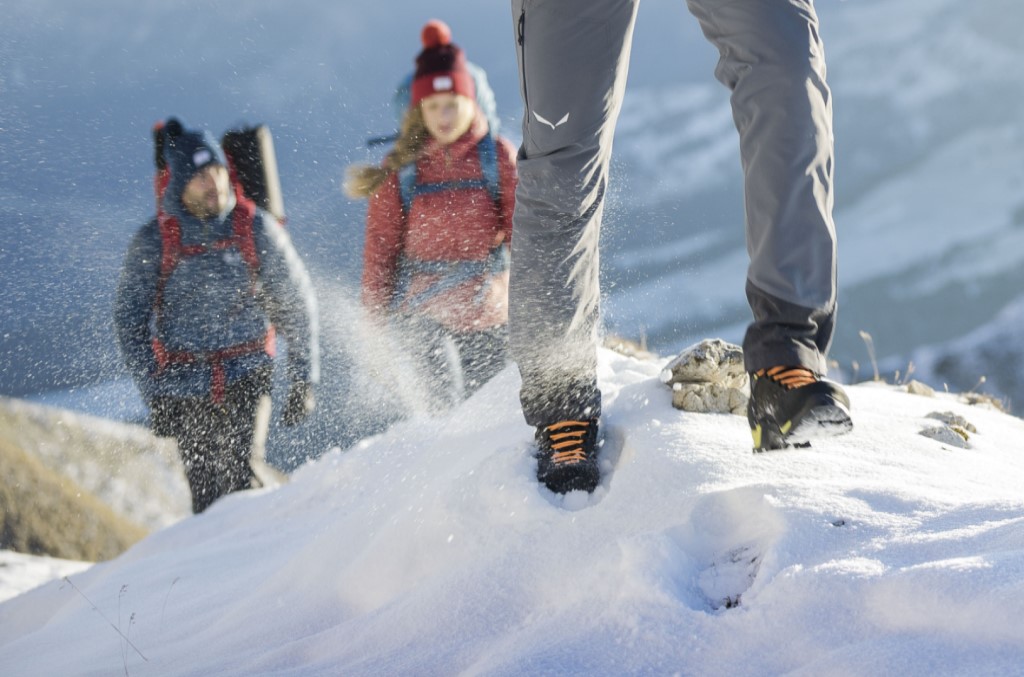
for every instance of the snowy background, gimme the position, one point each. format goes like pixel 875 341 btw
pixel 432 550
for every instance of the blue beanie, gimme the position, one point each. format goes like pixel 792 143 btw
pixel 187 151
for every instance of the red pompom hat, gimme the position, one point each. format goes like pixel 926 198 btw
pixel 441 66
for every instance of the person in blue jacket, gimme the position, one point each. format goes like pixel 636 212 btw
pixel 205 288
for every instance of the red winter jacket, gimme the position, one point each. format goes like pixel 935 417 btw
pixel 446 226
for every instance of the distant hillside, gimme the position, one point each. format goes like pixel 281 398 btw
pixel 988 359
pixel 80 487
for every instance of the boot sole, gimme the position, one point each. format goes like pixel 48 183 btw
pixel 572 478
pixel 819 422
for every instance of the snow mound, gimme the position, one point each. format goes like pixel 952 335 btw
pixel 431 549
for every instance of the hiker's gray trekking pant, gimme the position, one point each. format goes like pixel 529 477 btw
pixel 573 60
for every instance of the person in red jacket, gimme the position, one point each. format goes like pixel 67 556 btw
pixel 439 220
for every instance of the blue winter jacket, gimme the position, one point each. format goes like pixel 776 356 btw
pixel 210 303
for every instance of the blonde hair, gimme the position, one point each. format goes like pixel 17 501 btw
pixel 362 181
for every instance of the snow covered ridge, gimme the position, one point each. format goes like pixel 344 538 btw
pixel 431 549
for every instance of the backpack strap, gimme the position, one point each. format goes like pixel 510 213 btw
pixel 160 180
pixel 407 185
pixel 487 150
pixel 172 252
pixel 215 359
pixel 490 179
pixel 170 255
pixel 242 236
pixel 242 225
pixel 452 274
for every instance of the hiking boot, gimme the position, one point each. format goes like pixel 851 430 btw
pixel 791 405
pixel 567 456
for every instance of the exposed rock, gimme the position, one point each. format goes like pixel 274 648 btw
pixel 953 420
pixel 918 388
pixel 709 398
pixel 137 475
pixel 710 361
pixel 77 487
pixel 952 435
pixel 43 513
pixel 983 400
pixel 708 377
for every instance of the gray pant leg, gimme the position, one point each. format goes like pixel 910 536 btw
pixel 573 60
pixel 773 61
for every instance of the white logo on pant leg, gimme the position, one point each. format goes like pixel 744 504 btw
pixel 552 125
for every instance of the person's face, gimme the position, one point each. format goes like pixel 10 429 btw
pixel 208 192
pixel 447 116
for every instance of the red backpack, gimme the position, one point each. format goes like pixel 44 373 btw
pixel 172 253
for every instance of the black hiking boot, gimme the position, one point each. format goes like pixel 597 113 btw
pixel 791 406
pixel 567 456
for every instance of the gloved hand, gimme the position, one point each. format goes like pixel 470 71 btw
pixel 300 403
